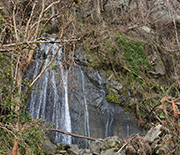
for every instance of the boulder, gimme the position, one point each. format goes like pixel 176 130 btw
pixel 63 152
pixel 72 149
pixel 161 12
pixel 49 147
pixel 153 134
pixel 111 142
pixel 96 147
pixel 112 151
pixel 49 135
pixel 146 29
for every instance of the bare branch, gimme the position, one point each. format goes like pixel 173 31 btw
pixel 51 5
pixel 27 25
pixel 22 19
pixel 74 135
pixel 40 16
pixel 14 22
pixel 122 147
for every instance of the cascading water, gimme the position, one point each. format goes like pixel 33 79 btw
pixel 67 119
pixel 86 112
pixel 89 113
pixel 49 100
pixel 106 111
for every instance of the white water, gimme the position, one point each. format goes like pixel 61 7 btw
pixel 67 119
pixel 55 108
pixel 86 113
pixel 107 112
pixel 50 101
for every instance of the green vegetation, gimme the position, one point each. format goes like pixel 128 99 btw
pixel 16 125
pixel 134 54
pixel 118 53
pixel 59 147
pixel 127 60
pixel 112 97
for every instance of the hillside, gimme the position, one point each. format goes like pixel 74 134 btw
pixel 135 43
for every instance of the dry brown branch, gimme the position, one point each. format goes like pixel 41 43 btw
pixel 15 146
pixel 157 118
pixel 122 147
pixel 14 22
pixel 175 27
pixel 164 108
pixel 24 12
pixel 9 131
pixel 27 25
pixel 52 5
pixel 39 20
pixel 75 135
pixel 51 19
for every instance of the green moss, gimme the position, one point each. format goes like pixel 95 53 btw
pixel 112 97
pixel 107 86
pixel 127 60
pixel 109 73
pixel 59 147
pixel 134 54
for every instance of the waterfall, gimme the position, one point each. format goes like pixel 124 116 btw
pixel 108 124
pixel 89 113
pixel 86 113
pixel 106 111
pixel 49 99
pixel 67 119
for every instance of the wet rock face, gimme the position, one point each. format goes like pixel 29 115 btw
pixel 75 101
pixel 92 115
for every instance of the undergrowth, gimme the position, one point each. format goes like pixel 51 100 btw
pixel 127 59
pixel 16 125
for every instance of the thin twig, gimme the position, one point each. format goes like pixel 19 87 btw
pixel 52 5
pixel 27 25
pixel 14 22
pixel 40 16
pixel 122 147
pixel 37 41
pixel 9 131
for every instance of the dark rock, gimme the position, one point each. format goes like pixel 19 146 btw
pixel 90 113
pixel 49 135
pixel 49 147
